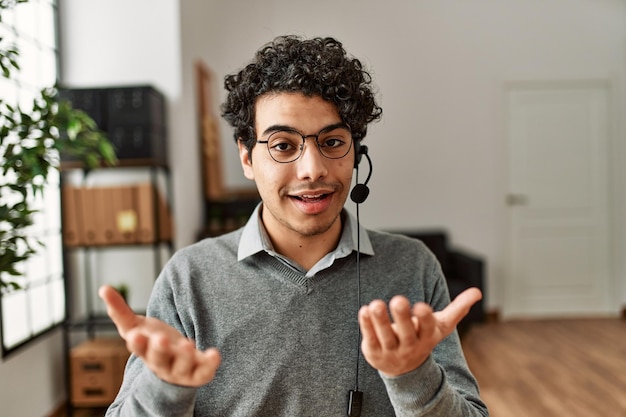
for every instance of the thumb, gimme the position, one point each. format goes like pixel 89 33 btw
pixel 122 315
pixel 460 306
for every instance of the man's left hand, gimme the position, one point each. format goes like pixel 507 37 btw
pixel 402 345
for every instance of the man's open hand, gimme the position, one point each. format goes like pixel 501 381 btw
pixel 170 355
pixel 402 345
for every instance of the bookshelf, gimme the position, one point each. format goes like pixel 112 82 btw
pixel 117 229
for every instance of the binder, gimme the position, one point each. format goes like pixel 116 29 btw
pixel 99 214
pixel 154 216
pixel 166 224
pixel 146 211
pixel 87 208
pixel 108 216
pixel 116 206
pixel 72 234
pixel 126 214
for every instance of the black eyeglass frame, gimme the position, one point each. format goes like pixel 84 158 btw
pixel 282 129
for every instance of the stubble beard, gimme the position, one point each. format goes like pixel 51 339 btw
pixel 315 229
pixel 314 225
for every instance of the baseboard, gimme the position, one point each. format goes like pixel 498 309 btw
pixel 492 316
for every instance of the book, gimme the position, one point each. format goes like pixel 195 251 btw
pixel 72 221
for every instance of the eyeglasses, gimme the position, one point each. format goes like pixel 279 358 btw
pixel 286 145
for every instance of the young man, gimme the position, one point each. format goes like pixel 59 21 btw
pixel 265 321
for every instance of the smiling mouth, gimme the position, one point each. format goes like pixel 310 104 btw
pixel 310 198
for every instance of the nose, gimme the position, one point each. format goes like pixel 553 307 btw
pixel 312 164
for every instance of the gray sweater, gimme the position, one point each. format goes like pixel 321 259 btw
pixel 289 343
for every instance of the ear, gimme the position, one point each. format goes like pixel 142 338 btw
pixel 246 160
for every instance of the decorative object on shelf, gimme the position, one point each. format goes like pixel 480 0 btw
pixel 30 143
pixel 123 290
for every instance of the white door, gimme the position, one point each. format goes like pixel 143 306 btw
pixel 559 262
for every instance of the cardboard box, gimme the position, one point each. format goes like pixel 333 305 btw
pixel 97 368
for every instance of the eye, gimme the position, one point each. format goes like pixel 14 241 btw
pixel 332 142
pixel 284 142
pixel 282 146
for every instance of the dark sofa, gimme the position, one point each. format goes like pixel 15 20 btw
pixel 461 269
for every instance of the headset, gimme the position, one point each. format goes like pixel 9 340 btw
pixel 360 192
pixel 358 195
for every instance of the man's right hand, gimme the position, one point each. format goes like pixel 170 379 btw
pixel 170 355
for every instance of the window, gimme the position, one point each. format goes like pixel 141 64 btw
pixel 39 305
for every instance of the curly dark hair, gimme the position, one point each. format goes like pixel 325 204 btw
pixel 314 67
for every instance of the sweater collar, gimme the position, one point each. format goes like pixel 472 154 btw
pixel 254 238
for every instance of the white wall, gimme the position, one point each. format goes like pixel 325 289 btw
pixel 117 42
pixel 439 153
pixel 32 379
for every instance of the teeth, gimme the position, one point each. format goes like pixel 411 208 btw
pixel 312 196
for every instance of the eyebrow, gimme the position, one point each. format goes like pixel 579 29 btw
pixel 286 128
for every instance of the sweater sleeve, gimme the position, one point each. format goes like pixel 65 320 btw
pixel 149 396
pixel 443 386
pixel 142 392
pixel 427 391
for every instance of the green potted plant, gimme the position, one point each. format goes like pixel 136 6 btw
pixel 31 142
pixel 123 290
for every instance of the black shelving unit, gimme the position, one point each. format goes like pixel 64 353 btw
pixel 134 118
pixel 91 322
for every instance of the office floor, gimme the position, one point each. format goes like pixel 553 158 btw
pixel 550 368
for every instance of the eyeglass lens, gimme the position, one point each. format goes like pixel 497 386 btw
pixel 287 145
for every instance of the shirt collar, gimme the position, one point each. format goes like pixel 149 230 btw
pixel 254 238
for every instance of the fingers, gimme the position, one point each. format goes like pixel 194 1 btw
pixel 160 354
pixel 391 347
pixel 426 320
pixel 137 343
pixel 121 314
pixel 378 328
pixel 184 363
pixel 459 307
pixel 369 339
pixel 164 350
pixel 176 361
pixel 404 322
pixel 192 365
pixel 470 296
pixel 405 325
pixel 373 319
pixel 207 364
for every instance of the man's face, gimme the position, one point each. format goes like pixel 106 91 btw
pixel 305 197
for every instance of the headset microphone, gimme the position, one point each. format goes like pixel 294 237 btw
pixel 360 192
pixel 358 195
